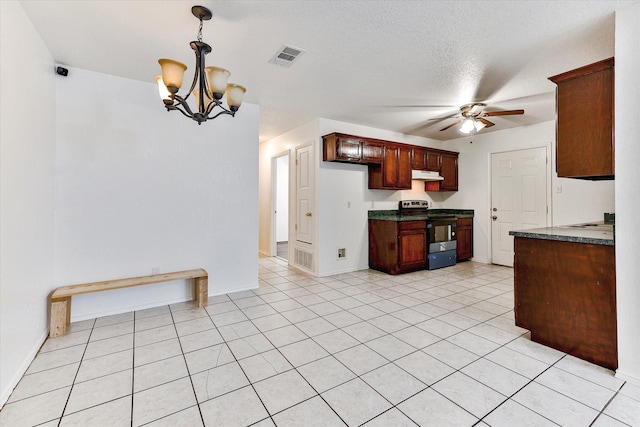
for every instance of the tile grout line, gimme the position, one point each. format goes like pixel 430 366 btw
pixel 76 375
pixel 293 368
pixel 184 358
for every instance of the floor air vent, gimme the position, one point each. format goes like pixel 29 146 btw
pixel 304 259
pixel 286 55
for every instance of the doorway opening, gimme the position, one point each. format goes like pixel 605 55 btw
pixel 280 204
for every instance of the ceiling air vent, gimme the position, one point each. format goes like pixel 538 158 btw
pixel 286 55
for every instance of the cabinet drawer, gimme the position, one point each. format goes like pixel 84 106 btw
pixel 412 225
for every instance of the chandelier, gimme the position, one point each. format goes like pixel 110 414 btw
pixel 209 83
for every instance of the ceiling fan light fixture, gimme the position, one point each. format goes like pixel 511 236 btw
pixel 467 126
pixel 479 125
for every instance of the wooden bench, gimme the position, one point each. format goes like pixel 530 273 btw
pixel 61 297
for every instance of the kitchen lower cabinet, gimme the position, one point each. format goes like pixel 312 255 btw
pixel 464 235
pixel 397 246
pixel 565 294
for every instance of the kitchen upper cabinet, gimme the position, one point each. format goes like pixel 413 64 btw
pixel 390 163
pixel 372 151
pixel 449 171
pixel 419 159
pixel 397 246
pixel 585 117
pixel 342 148
pixel 425 159
pixel 395 171
pixel 464 236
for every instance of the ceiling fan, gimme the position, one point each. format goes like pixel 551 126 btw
pixel 473 117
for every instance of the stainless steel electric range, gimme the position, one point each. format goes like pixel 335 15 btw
pixel 441 232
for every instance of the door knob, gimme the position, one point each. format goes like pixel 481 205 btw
pixel 308 214
pixel 494 217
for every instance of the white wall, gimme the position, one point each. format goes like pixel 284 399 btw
pixel 27 198
pixel 627 129
pixel 141 188
pixel 580 200
pixel 282 202
pixel 287 142
pixel 344 200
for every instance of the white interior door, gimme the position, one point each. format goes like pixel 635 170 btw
pixel 518 198
pixel 304 194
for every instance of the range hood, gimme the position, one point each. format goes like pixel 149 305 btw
pixel 426 175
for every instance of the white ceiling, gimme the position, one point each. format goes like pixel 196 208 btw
pixel 390 64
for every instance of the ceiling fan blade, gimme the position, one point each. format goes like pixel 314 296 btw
pixel 503 113
pixel 446 117
pixel 486 122
pixel 451 125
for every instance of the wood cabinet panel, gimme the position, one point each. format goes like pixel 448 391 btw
pixel 464 234
pixel 396 247
pixel 395 171
pixel 419 159
pixel 412 251
pixel 449 171
pixel 340 148
pixel 372 152
pixel 434 160
pixel 426 159
pixel 565 294
pixel 585 121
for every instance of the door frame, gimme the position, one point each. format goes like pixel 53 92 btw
pixel 273 247
pixel 550 159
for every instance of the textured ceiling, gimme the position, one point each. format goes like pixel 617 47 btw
pixel 392 64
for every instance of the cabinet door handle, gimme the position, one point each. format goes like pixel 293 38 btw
pixel 308 214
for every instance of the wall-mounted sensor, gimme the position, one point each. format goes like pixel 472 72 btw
pixel 62 71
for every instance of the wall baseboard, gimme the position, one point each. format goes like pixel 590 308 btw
pixel 629 378
pixel 6 393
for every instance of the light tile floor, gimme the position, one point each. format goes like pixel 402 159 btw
pixel 432 348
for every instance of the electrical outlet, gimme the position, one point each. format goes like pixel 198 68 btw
pixel 558 188
pixel 342 253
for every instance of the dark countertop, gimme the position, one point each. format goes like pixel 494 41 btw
pixel 393 215
pixel 597 233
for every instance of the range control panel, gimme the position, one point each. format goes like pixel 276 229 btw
pixel 414 204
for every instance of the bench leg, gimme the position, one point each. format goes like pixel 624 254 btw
pixel 201 289
pixel 60 314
